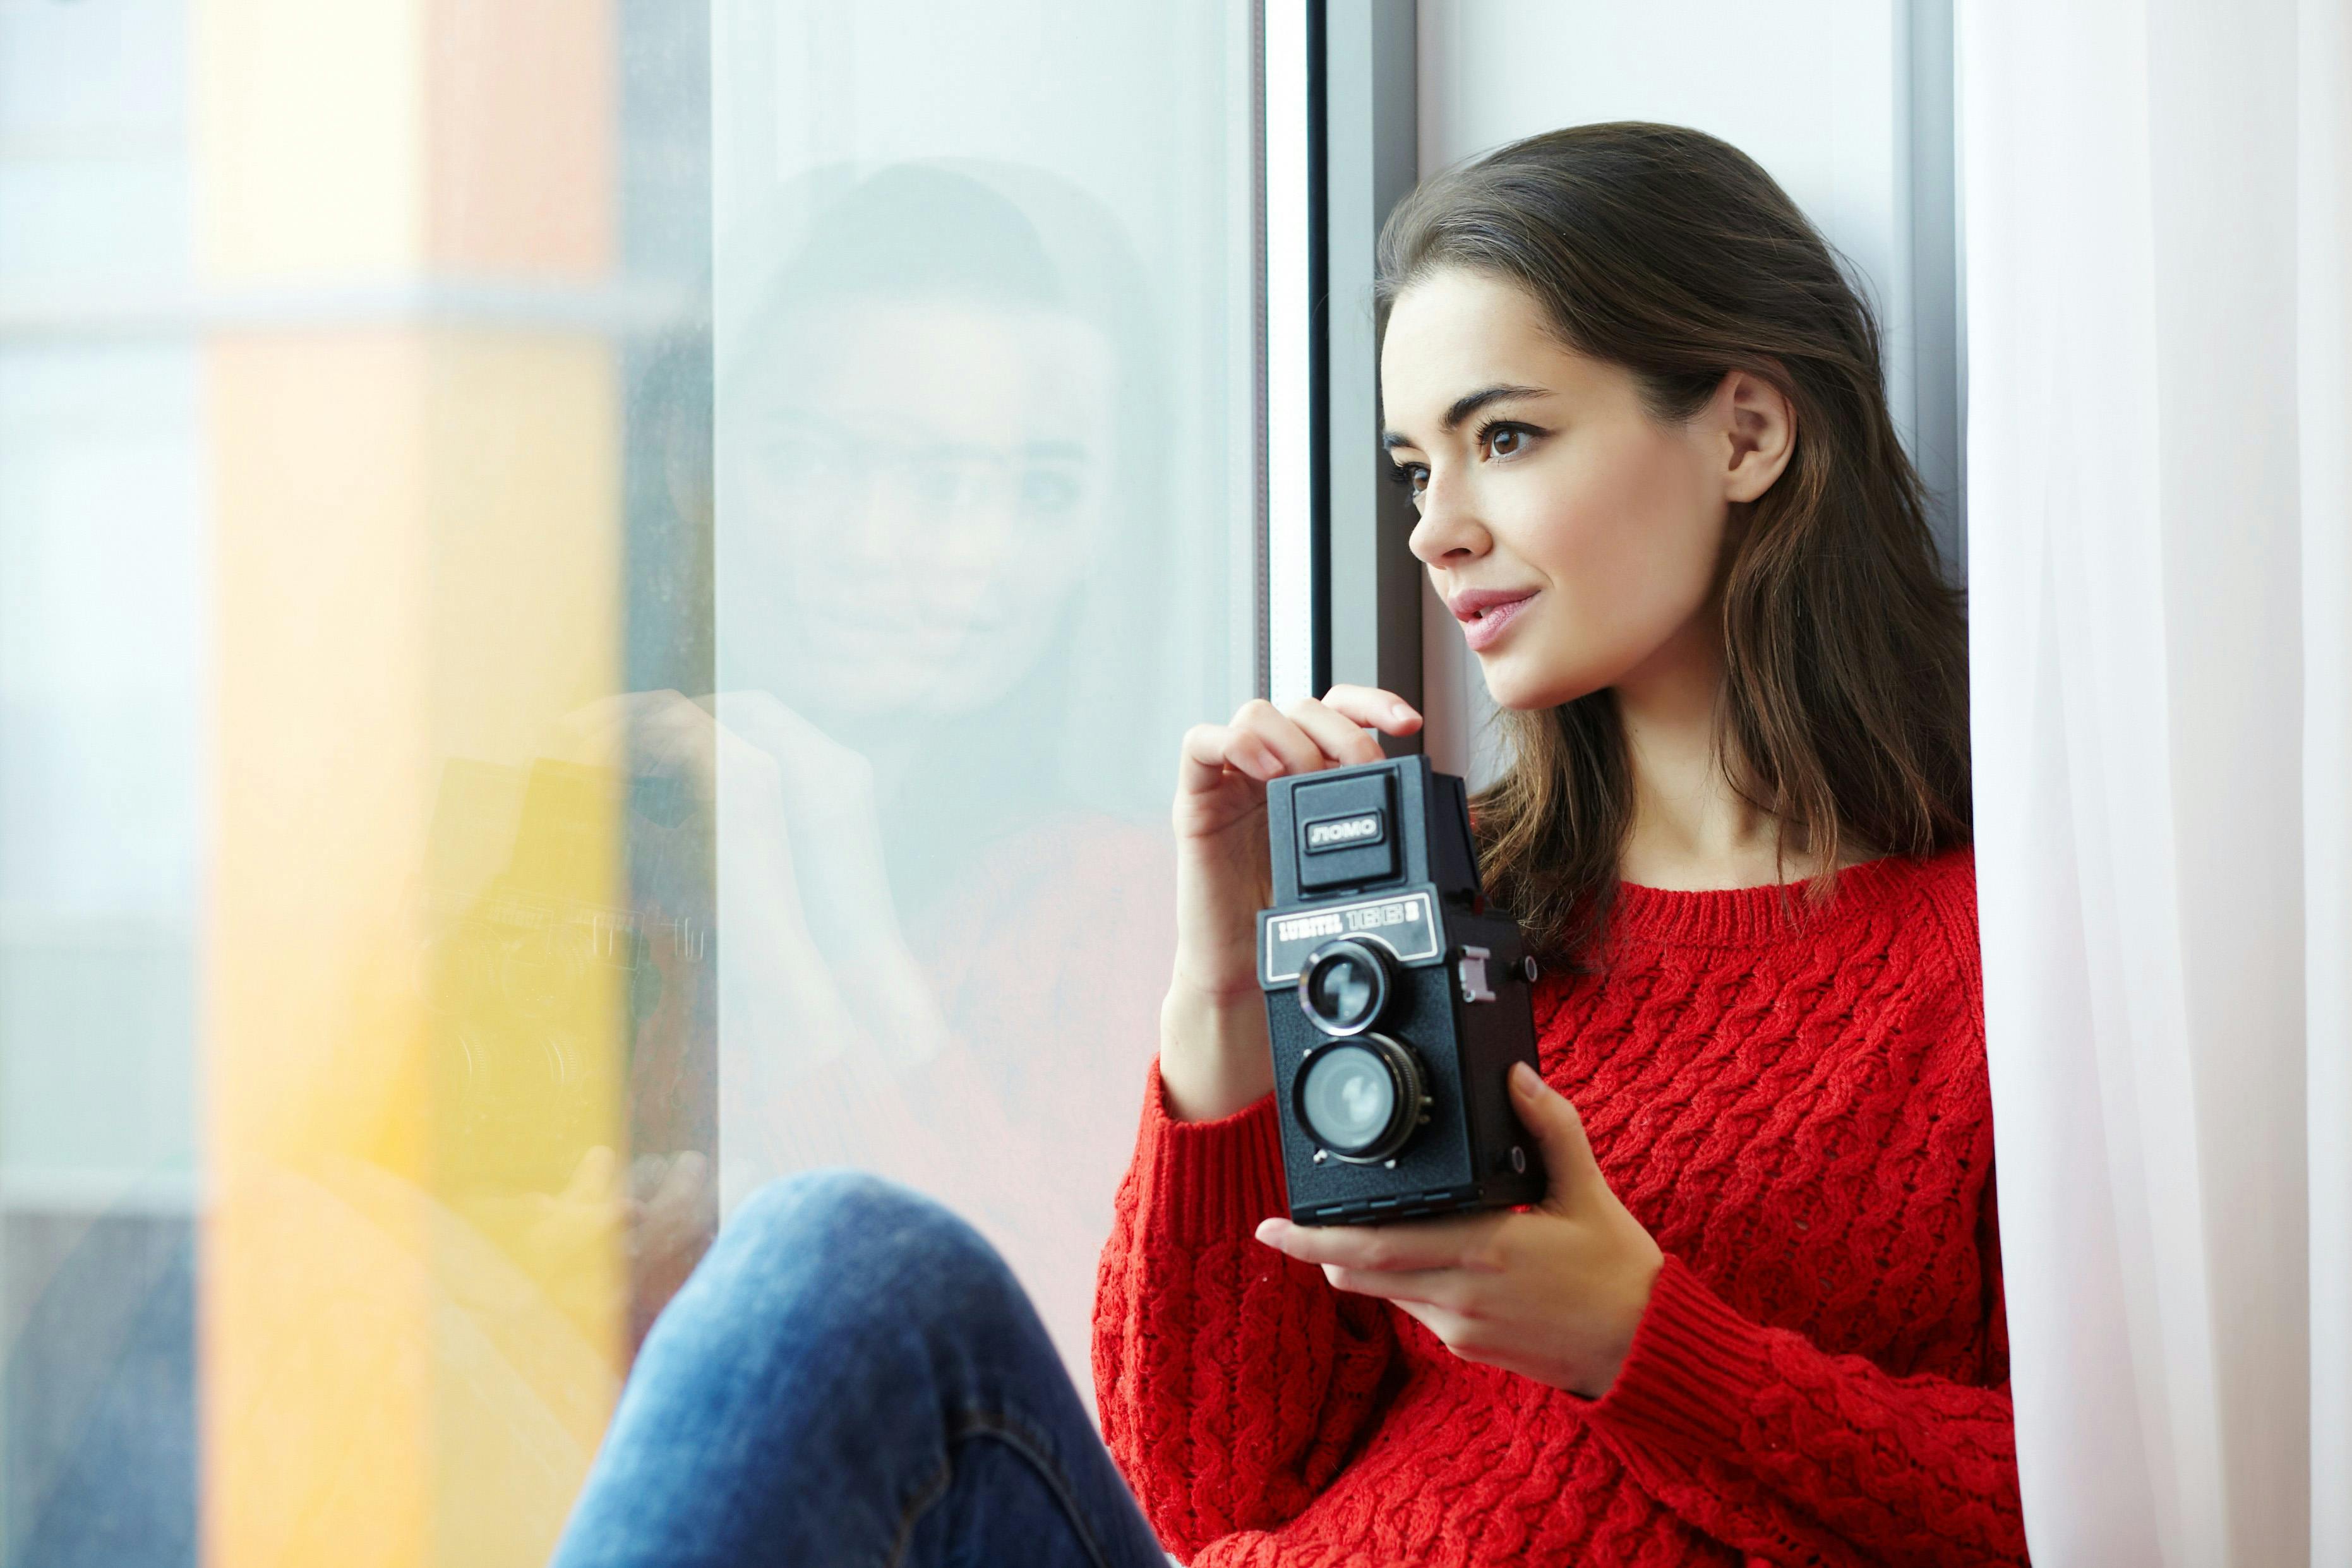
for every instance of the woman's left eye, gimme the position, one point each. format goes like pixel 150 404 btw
pixel 1494 435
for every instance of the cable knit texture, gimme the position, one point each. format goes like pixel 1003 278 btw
pixel 1794 1103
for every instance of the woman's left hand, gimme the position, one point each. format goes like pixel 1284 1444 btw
pixel 1552 1292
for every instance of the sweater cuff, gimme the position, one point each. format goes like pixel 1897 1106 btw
pixel 1208 1181
pixel 1693 1372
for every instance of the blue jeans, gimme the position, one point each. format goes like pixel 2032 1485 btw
pixel 851 1378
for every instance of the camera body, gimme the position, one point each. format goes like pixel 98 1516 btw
pixel 1395 1010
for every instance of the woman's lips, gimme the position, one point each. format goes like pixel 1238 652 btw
pixel 1483 625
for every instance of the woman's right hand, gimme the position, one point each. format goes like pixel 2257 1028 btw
pixel 1212 1052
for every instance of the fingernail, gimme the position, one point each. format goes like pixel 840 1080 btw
pixel 1399 711
pixel 1524 1079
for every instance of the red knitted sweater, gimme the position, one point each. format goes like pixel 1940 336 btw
pixel 1799 1116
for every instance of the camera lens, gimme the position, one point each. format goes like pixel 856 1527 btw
pixel 1362 1099
pixel 1345 987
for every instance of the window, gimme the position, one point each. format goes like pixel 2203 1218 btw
pixel 595 608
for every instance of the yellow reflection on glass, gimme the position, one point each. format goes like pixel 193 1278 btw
pixel 415 1275
pixel 426 975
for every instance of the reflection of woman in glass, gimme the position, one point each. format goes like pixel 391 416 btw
pixel 938 452
pixel 938 589
pixel 1757 1316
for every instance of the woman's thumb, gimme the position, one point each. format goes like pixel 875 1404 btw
pixel 1558 1134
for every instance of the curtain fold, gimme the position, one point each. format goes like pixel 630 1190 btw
pixel 2324 394
pixel 2155 200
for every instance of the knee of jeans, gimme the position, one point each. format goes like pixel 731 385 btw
pixel 893 1249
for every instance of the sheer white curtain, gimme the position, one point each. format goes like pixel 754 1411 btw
pixel 2158 199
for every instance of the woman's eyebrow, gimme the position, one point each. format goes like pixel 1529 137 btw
pixel 1463 408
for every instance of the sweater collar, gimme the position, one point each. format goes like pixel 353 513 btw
pixel 1753 916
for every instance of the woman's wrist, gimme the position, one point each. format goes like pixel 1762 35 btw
pixel 1213 1055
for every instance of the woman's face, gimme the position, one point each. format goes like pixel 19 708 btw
pixel 919 490
pixel 1574 536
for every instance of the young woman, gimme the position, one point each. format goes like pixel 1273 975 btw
pixel 1758 1317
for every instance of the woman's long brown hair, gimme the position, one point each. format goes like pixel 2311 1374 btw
pixel 1844 710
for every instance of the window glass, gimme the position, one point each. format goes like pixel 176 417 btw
pixel 596 603
pixel 985 478
pixel 103 633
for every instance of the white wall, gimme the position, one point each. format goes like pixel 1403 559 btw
pixel 1820 92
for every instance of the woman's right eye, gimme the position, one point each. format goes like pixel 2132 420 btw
pixel 1412 477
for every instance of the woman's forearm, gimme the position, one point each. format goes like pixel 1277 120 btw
pixel 1213 1055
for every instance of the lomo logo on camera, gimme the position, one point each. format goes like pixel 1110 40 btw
pixel 1344 832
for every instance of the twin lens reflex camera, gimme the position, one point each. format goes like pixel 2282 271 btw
pixel 1394 1008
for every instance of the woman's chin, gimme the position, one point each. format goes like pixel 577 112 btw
pixel 1507 688
pixel 1524 690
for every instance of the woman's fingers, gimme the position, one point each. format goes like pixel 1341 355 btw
pixel 1371 706
pixel 1264 741
pixel 1311 735
pixel 1451 1243
pixel 1438 1288
pixel 1282 736
pixel 1342 739
pixel 1210 748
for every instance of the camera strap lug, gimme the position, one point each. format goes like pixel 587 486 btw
pixel 1471 968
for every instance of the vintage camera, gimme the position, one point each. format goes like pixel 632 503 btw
pixel 1394 1007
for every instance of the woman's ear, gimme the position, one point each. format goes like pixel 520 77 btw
pixel 1759 427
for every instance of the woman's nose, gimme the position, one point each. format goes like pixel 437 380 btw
pixel 1448 529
